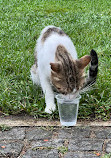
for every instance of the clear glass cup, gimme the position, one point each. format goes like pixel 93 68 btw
pixel 68 110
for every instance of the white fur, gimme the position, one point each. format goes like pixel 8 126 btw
pixel 45 55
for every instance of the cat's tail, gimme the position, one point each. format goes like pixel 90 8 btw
pixel 93 70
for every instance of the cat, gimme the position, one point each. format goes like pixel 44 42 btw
pixel 56 65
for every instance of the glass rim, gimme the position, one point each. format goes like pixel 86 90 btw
pixel 77 98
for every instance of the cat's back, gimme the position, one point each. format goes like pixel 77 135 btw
pixel 48 31
pixel 50 38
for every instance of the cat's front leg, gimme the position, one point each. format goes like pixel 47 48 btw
pixel 50 105
pixel 49 95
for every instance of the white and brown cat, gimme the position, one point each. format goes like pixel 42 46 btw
pixel 56 65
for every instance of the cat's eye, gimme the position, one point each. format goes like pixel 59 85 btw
pixel 58 88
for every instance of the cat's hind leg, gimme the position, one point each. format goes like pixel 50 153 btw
pixel 35 75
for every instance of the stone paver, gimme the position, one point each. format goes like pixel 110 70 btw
pixel 56 142
pixel 86 145
pixel 103 133
pixel 10 149
pixel 77 132
pixel 38 133
pixel 50 143
pixel 108 147
pixel 80 155
pixel 41 154
pixel 14 133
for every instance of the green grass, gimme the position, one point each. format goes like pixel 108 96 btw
pixel 106 156
pixel 87 22
pixel 4 128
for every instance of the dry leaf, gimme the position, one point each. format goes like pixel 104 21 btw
pixel 3 147
pixel 45 140
pixel 98 154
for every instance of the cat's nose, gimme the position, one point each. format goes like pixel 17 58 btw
pixel 69 90
pixel 64 92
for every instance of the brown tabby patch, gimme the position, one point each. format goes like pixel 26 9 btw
pixel 35 59
pixel 66 76
pixel 50 31
pixel 34 66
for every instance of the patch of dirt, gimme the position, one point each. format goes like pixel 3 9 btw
pixel 23 119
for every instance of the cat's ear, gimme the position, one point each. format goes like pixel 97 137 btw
pixel 83 62
pixel 56 67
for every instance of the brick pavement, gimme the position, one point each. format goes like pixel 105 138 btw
pixel 55 142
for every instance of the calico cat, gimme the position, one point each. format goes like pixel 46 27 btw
pixel 56 65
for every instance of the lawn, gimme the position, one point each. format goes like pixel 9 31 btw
pixel 87 22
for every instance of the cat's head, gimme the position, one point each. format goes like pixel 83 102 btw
pixel 67 74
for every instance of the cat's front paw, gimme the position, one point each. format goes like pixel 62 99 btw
pixel 50 109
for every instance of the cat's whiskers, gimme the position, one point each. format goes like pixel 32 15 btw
pixel 88 87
